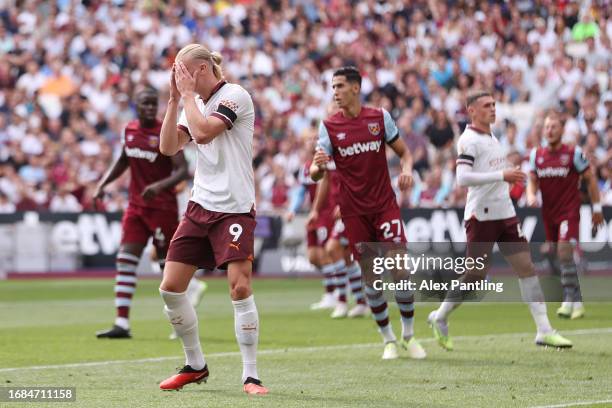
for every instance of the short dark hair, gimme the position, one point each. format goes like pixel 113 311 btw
pixel 351 73
pixel 473 96
pixel 147 90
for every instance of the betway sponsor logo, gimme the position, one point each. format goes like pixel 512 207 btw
pixel 91 234
pixel 141 154
pixel 553 172
pixel 358 148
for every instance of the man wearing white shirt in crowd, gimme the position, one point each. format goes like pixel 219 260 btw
pixel 64 201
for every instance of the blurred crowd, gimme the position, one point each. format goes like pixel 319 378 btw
pixel 69 71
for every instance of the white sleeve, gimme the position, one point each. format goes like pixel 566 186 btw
pixel 581 163
pixel 182 123
pixel 532 160
pixel 467 151
pixel 233 106
pixel 324 142
pixel 466 177
pixel 391 131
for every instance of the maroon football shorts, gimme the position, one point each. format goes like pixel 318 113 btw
pixel 482 235
pixel 209 239
pixel 322 231
pixel 140 223
pixel 567 229
pixel 339 233
pixel 384 226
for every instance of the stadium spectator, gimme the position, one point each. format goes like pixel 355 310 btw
pixel 69 69
pixel 64 201
pixel 6 206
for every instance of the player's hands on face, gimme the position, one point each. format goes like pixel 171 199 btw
pixel 150 192
pixel 514 175
pixel 404 181
pixel 174 92
pixel 320 158
pixel 185 82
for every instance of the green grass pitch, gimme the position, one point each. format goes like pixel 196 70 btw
pixel 306 359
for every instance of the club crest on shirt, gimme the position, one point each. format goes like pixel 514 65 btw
pixel 153 141
pixel 564 159
pixel 540 160
pixel 374 128
pixel 130 138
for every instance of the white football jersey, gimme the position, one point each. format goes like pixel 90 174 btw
pixel 224 180
pixel 485 154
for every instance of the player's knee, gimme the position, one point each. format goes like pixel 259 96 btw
pixel 527 271
pixel 313 258
pixel 240 290
pixel 169 286
pixel 171 299
pixel 565 253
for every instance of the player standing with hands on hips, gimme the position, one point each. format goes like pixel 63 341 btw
pixel 218 227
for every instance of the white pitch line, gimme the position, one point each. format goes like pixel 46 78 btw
pixel 574 404
pixel 578 332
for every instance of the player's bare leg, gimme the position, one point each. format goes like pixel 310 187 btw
pixel 195 289
pixel 572 306
pixel 125 286
pixel 532 294
pixel 184 320
pixel 246 323
pixel 318 258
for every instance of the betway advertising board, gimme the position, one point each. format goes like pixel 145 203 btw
pixel 85 240
pixel 94 238
pixel 446 226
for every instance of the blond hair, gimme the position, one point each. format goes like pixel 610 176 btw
pixel 200 52
pixel 473 96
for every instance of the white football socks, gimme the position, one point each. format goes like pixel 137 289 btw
pixel 531 292
pixel 445 309
pixel 183 318
pixel 387 333
pixel 122 322
pixel 246 325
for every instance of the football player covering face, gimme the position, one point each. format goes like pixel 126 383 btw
pixel 217 230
